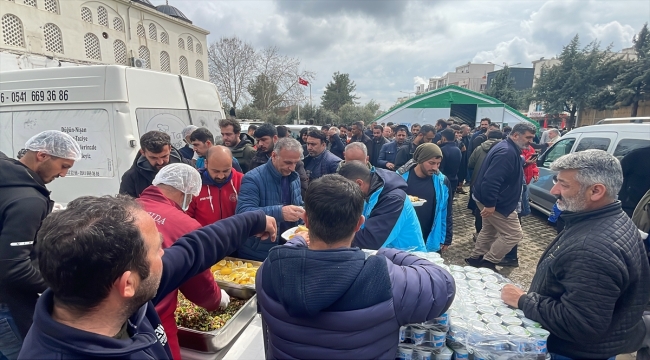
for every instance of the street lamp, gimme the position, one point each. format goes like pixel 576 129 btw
pixel 407 92
pixel 504 64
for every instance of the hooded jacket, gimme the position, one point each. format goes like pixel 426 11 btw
pixel 478 156
pixel 215 201
pixel 591 286
pixel 336 304
pixel 244 153
pixel 323 164
pixel 261 189
pixel 202 290
pixel 377 147
pixel 141 174
pixel 498 182
pixel 451 159
pixel 24 203
pixel 391 220
pixel 187 257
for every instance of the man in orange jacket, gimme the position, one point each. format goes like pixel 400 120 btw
pixel 165 201
pixel 218 197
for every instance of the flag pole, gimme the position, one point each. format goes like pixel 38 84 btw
pixel 298 112
pixel 310 94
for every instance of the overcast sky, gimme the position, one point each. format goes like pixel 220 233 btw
pixel 390 46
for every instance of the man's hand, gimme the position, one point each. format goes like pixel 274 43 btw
pixel 510 295
pixel 225 300
pixel 535 178
pixel 487 211
pixel 390 166
pixel 271 229
pixel 292 213
pixel 444 248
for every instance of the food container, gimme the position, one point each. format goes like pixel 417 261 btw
pixel 493 286
pixel 456 268
pixel 530 323
pixel 458 275
pixel 489 278
pixel 496 294
pixel 473 276
pixel 478 325
pixel 518 331
pixel 437 338
pixel 489 318
pixel 402 334
pixel 444 354
pixel 418 336
pixel 405 353
pixel 485 271
pixel 486 309
pixel 496 302
pixel 511 320
pixel 461 354
pixel 541 336
pixel 470 269
pixel 213 341
pixel 239 291
pixel 497 329
pixel 422 354
pixel 505 311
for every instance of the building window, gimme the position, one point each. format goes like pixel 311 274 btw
pixel 153 32
pixel 181 43
pixel 53 38
pixel 12 30
pixel 143 53
pixel 30 3
pixel 164 62
pixel 164 38
pixel 182 63
pixel 86 15
pixel 91 43
pixel 102 16
pixel 199 69
pixel 190 47
pixel 141 31
pixel 118 25
pixel 199 48
pixel 51 6
pixel 119 49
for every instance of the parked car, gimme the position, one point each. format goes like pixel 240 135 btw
pixel 617 139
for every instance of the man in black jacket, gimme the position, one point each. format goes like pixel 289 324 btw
pixel 359 135
pixel 593 281
pixel 405 152
pixel 156 152
pixel 378 141
pixel 24 203
pixel 497 191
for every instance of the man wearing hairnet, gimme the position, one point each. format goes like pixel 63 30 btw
pixel 24 203
pixel 165 201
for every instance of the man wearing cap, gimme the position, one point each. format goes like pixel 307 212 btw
pixel 425 181
pixel 24 203
pixel 171 193
pixel 388 151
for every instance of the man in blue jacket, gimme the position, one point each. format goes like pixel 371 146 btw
pixel 320 160
pixel 391 220
pixel 497 191
pixel 102 259
pixel 425 181
pixel 274 188
pixel 326 300
pixel 388 151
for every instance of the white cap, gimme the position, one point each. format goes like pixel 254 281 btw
pixel 181 177
pixel 55 143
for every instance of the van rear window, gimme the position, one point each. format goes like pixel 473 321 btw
pixel 626 145
pixel 591 143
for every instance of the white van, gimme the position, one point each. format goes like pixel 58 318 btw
pixel 106 109
pixel 616 139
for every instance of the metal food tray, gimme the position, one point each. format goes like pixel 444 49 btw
pixel 216 340
pixel 239 291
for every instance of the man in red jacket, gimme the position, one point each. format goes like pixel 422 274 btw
pixel 165 200
pixel 218 196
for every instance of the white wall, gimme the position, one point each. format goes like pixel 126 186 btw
pixel 417 115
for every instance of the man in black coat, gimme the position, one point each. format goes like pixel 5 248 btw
pixel 636 175
pixel 451 157
pixel 24 203
pixel 592 283
pixel 360 136
pixel 156 151
pixel 378 140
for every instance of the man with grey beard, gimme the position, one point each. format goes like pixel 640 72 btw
pixel 593 281
pixel 497 191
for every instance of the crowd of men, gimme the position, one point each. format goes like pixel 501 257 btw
pixel 74 285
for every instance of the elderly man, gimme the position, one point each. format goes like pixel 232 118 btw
pixel 553 137
pixel 388 151
pixel 106 269
pixel 593 281
pixel 388 133
pixel 24 203
pixel 330 290
pixel 187 152
pixel 497 192
pixel 320 160
pixel 391 220
pixel 217 198
pixel 356 152
pixel 165 200
pixel 425 181
pixel 274 188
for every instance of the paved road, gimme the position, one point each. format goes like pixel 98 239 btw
pixel 537 236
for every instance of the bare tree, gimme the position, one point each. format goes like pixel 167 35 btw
pixel 280 74
pixel 232 66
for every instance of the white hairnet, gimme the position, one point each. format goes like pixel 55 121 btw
pixel 181 177
pixel 55 143
pixel 188 130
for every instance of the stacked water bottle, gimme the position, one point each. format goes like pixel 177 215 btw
pixel 478 324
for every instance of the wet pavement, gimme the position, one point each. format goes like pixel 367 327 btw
pixel 537 236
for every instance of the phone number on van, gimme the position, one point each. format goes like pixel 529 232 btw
pixel 37 96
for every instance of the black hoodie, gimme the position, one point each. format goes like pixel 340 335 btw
pixel 141 174
pixel 24 203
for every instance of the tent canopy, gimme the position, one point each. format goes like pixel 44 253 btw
pixel 467 105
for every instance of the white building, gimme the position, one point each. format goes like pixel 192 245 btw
pixel 469 76
pixel 53 33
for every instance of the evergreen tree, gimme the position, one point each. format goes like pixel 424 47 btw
pixel 502 88
pixel 338 92
pixel 264 92
pixel 633 83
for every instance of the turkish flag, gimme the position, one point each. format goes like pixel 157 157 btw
pixel 302 81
